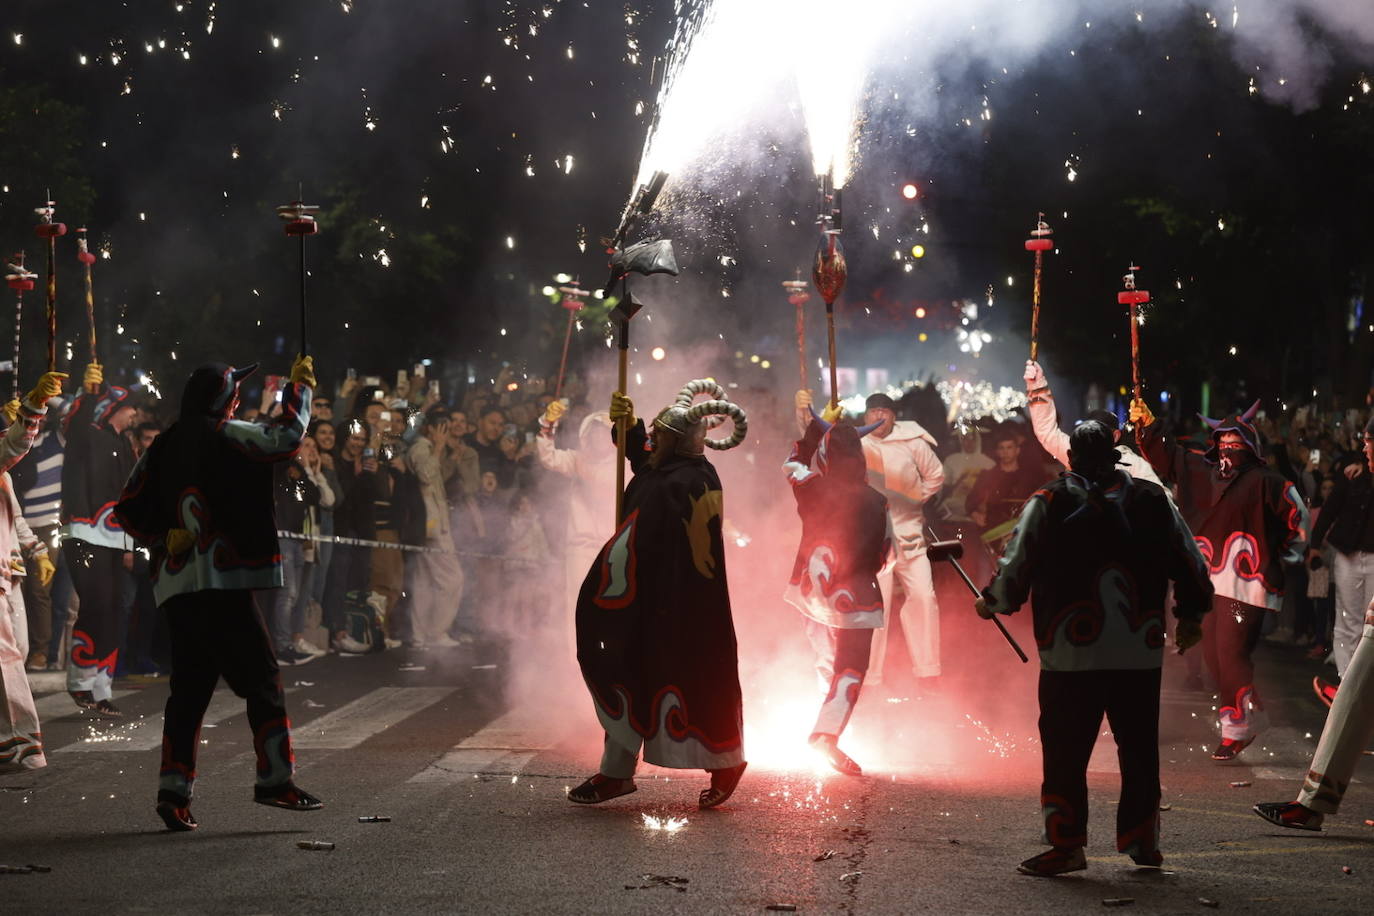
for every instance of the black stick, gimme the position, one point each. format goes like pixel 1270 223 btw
pixel 1011 640
pixel 303 350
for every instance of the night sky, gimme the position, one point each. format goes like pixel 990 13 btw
pixel 466 153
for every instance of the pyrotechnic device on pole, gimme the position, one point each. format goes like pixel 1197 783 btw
pixel 573 294
pixel 49 230
pixel 21 281
pixel 799 293
pixel 644 258
pixel 299 221
pixel 1133 298
pixel 829 271
pixel 952 550
pixel 1039 243
pixel 83 254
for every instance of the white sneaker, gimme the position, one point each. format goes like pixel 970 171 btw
pixel 446 642
pixel 347 645
pixel 393 643
pixel 309 648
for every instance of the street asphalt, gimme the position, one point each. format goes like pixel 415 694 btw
pixel 472 775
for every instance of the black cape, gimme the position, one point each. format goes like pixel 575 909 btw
pixel 655 637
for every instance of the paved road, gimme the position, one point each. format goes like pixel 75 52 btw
pixel 472 772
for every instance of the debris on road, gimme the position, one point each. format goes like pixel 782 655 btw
pixel 411 668
pixel 1166 807
pixel 1118 901
pixel 374 819
pixel 1347 869
pixel 851 877
pixel 305 684
pixel 828 854
pixel 782 907
pixel 483 667
pixel 1368 823
pixel 1214 904
pixel 673 881
pixel 1242 784
pixel 25 869
pixel 954 842
pixel 311 704
pixel 314 844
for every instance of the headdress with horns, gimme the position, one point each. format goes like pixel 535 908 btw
pixel 1241 424
pixel 682 415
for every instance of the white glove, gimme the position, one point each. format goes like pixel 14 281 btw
pixel 1035 376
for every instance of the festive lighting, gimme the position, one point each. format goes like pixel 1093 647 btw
pixel 910 191
pixel 658 353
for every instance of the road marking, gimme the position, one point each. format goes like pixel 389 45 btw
pixel 1306 849
pixel 145 734
pixel 62 706
pixel 352 724
pixel 504 747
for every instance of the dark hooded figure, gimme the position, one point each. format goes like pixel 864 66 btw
pixel 1095 552
pixel 201 500
pixel 655 636
pixel 1249 521
pixel 96 550
pixel 846 539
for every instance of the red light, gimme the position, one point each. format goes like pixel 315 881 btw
pixel 909 191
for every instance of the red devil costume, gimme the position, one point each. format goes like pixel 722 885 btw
pixel 846 538
pixel 98 461
pixel 1095 550
pixel 655 636
pixel 1249 521
pixel 201 499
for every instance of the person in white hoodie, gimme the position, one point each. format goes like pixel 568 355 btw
pixel 903 466
pixel 1044 419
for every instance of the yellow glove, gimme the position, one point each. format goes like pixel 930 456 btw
pixel 554 412
pixel 622 408
pixel 179 540
pixel 832 413
pixel 93 379
pixel 49 386
pixel 1140 413
pixel 17 564
pixel 11 411
pixel 802 399
pixel 303 371
pixel 46 569
pixel 1187 634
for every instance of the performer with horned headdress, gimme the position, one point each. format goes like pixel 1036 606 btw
pixel 655 637
pixel 1248 521
pixel 846 539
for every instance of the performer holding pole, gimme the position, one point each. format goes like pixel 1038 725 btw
pixel 1134 298
pixel 47 229
pixel 83 254
pixel 1039 242
pixel 21 281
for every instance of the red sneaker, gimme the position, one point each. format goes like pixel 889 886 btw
pixel 1325 692
pixel 1290 814
pixel 1057 861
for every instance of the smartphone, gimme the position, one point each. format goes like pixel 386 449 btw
pixel 384 416
pixel 352 374
pixel 373 380
pixel 274 385
pixel 1314 456
pixel 434 387
pixel 400 377
pixel 419 371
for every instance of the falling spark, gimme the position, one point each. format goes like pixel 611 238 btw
pixel 666 824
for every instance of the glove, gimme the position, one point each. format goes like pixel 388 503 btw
pixel 802 400
pixel 11 411
pixel 93 379
pixel 554 412
pixel 303 371
pixel 1035 376
pixel 46 568
pixel 832 413
pixel 622 408
pixel 987 613
pixel 1140 413
pixel 179 540
pixel 1187 634
pixel 49 386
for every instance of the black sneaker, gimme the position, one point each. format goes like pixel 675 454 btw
pixel 178 818
pixel 288 796
pixel 84 699
pixel 108 710
pixel 290 656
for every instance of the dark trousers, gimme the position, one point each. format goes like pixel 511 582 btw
pixel 98 575
pixel 38 597
pixel 1072 704
pixel 1229 636
pixel 349 571
pixel 214 634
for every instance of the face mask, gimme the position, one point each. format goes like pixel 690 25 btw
pixel 1233 457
